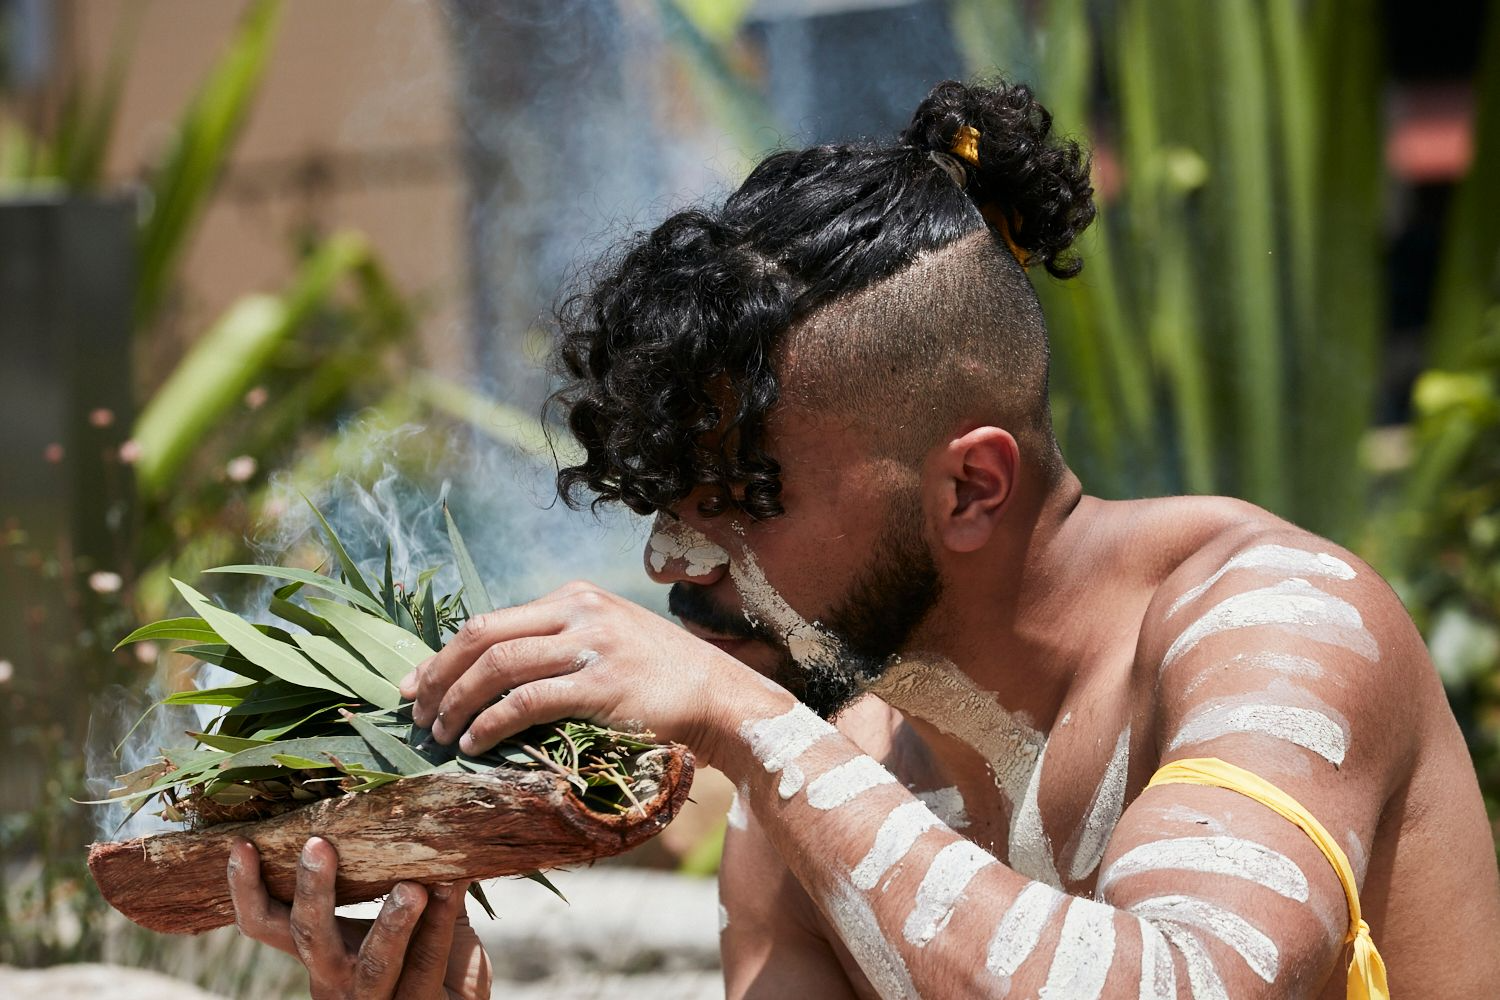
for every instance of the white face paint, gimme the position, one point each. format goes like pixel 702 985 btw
pixel 1020 930
pixel 806 641
pixel 855 922
pixel 940 693
pixel 1203 976
pixel 1158 977
pixel 840 784
pixel 1028 850
pixel 676 540
pixel 778 742
pixel 1320 730
pixel 1258 951
pixel 942 889
pixel 1230 856
pixel 1280 663
pixel 738 818
pixel 1103 813
pixel 1085 951
pixel 948 805
pixel 893 840
pixel 1292 606
pixel 1271 559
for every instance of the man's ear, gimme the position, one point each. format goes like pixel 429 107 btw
pixel 969 480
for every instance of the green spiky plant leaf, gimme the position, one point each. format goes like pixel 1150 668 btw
pixel 316 712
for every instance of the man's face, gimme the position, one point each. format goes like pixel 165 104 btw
pixel 821 598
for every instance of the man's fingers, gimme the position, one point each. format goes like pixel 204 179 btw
pixel 382 957
pixel 315 929
pixel 529 705
pixel 433 678
pixel 427 957
pixel 502 667
pixel 256 914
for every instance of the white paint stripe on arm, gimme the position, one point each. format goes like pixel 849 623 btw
pixel 1273 559
pixel 1203 976
pixel 1306 727
pixel 1158 975
pixel 777 742
pixel 942 889
pixel 1230 856
pixel 1085 951
pixel 1258 951
pixel 1293 606
pixel 1103 813
pixel 902 826
pixel 1021 928
pixel 840 784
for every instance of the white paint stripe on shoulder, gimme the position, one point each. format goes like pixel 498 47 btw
pixel 1085 951
pixel 1258 950
pixel 778 741
pixel 1306 727
pixel 948 805
pixel 1293 606
pixel 854 920
pixel 1028 850
pixel 1021 928
pixel 840 784
pixel 1243 663
pixel 1103 812
pixel 1158 975
pixel 893 840
pixel 1271 559
pixel 942 889
pixel 1230 856
pixel 1203 976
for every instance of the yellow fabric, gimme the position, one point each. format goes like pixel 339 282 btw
pixel 1366 970
pixel 966 145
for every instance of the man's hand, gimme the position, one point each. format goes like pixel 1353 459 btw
pixel 420 947
pixel 579 652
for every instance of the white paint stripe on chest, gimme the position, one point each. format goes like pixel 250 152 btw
pixel 1306 727
pixel 1028 850
pixel 1271 559
pixel 738 816
pixel 1284 664
pixel 942 889
pixel 948 805
pixel 779 741
pixel 1021 928
pixel 840 784
pixel 1203 976
pixel 1158 976
pixel 1293 606
pixel 1232 856
pixel 1258 951
pixel 1103 813
pixel 940 693
pixel 1085 951
pixel 893 840
pixel 854 920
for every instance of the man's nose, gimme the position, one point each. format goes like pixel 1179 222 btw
pixel 677 552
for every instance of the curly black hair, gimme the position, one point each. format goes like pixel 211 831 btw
pixel 668 357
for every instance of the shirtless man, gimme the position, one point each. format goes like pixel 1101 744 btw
pixel 832 391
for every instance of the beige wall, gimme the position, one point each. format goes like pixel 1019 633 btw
pixel 353 128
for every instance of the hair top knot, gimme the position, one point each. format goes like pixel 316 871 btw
pixel 966 145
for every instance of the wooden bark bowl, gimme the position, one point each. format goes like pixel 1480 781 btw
pixel 438 828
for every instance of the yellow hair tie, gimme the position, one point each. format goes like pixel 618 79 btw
pixel 966 145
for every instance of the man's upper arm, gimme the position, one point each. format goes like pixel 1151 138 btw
pixel 1288 664
pixel 768 942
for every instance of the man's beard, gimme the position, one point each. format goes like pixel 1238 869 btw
pixel 870 625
